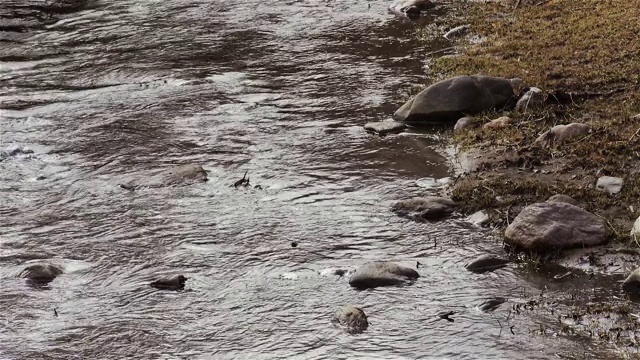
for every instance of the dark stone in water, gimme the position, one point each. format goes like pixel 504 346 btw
pixel 491 304
pixel 41 274
pixel 445 315
pixel 382 273
pixel 427 208
pixel 352 318
pixel 174 283
pixel 487 263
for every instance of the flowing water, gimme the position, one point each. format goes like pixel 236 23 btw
pixel 123 89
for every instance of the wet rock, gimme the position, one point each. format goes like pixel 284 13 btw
pixel 14 150
pixel 465 123
pixel 433 183
pixel 635 231
pixel 382 273
pixel 410 8
pixel 352 318
pixel 498 123
pixel 449 100
pixel 549 225
pixel 632 283
pixel 457 32
pixel 533 99
pixel 428 208
pixel 385 127
pixel 446 315
pixel 174 283
pixel 479 218
pixel 491 304
pixel 561 133
pixel 486 263
pixel 179 175
pixel 563 199
pixel 41 274
pixel 609 184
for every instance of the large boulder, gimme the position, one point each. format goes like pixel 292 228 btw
pixel 410 8
pixel 449 100
pixel 352 318
pixel 555 225
pixel 382 273
pixel 427 208
pixel 41 274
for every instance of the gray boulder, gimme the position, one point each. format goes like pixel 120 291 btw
pixel 427 208
pixel 609 184
pixel 533 99
pixel 449 100
pixel 385 127
pixel 563 199
pixel 382 273
pixel 410 8
pixel 561 133
pixel 555 225
pixel 486 263
pixel 41 274
pixel 632 283
pixel 352 318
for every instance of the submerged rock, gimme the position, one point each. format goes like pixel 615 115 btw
pixel 533 99
pixel 491 304
pixel 486 263
pixel 561 133
pixel 179 175
pixel 428 208
pixel 352 318
pixel 609 184
pixel 410 8
pixel 563 199
pixel 498 123
pixel 41 274
pixel 385 127
pixel 457 31
pixel 632 283
pixel 174 283
pixel 449 100
pixel 555 225
pixel 382 273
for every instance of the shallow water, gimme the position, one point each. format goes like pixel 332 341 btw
pixel 281 89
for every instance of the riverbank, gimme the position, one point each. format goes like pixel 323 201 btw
pixel 583 56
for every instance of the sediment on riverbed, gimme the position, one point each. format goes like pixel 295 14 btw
pixel 584 56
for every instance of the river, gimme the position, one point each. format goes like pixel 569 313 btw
pixel 279 89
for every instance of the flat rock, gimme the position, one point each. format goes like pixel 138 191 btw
pixel 382 273
pixel 533 99
pixel 428 207
pixel 609 184
pixel 635 230
pixel 385 127
pixel 561 133
pixel 352 318
pixel 498 123
pixel 486 263
pixel 555 225
pixel 449 100
pixel 563 199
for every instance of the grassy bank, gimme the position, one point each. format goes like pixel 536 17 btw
pixel 590 48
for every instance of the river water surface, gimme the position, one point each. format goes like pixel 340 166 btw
pixel 281 89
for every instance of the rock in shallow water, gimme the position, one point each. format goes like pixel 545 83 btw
pixel 382 273
pixel 174 283
pixel 428 208
pixel 487 263
pixel 549 225
pixel 410 8
pixel 609 184
pixel 352 318
pixel 385 127
pixel 491 304
pixel 479 218
pixel 41 274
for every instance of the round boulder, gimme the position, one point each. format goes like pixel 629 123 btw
pixel 382 273
pixel 555 225
pixel 352 318
pixel 428 207
pixel 449 100
pixel 41 274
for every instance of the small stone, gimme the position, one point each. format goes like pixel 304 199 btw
pixel 382 273
pixel 532 99
pixel 632 283
pixel 352 318
pixel 385 127
pixel 457 31
pixel 609 184
pixel 294 244
pixel 465 123
pixel 635 231
pixel 479 218
pixel 498 123
pixel 486 263
pixel 428 207
pixel 563 199
pixel 174 283
pixel 561 133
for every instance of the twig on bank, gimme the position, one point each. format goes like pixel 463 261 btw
pixel 634 135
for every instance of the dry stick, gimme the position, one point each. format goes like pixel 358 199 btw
pixel 517 4
pixel 634 135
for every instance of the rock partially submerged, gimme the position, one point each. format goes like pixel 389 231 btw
pixel 427 208
pixel 609 184
pixel 410 8
pixel 561 133
pixel 352 318
pixel 486 263
pixel 179 175
pixel 491 304
pixel 41 274
pixel 449 100
pixel 555 225
pixel 173 283
pixel 382 273
pixel 385 127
